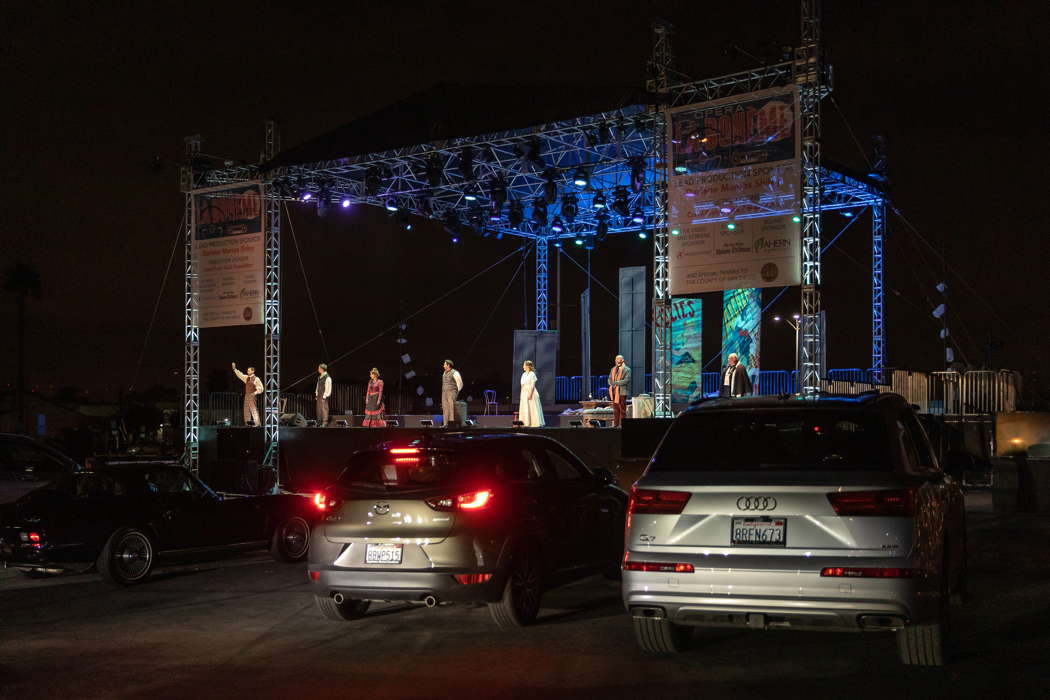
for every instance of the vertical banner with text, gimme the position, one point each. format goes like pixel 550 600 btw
pixel 686 345
pixel 228 255
pixel 741 326
pixel 733 193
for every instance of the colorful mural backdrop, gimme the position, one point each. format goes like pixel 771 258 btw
pixel 741 324
pixel 686 340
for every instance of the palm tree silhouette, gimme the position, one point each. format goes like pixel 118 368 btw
pixel 23 281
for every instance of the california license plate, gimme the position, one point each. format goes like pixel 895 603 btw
pixel 383 553
pixel 759 532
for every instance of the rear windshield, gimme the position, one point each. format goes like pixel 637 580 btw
pixel 775 440
pixel 415 470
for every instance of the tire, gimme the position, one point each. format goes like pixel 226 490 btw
pixel 520 603
pixel 660 636
pixel 349 609
pixel 924 644
pixel 291 540
pixel 127 557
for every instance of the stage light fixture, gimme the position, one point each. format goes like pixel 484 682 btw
pixel 539 211
pixel 557 244
pixel 391 205
pixel 637 165
pixel 494 211
pixel 796 218
pixel 550 186
pixel 637 217
pixel 588 244
pixel 725 208
pixel 466 163
pixel 455 239
pixel 579 178
pixel 305 196
pixel 557 225
pixel 535 154
pixel 372 181
pixel 499 192
pixel 346 202
pixel 470 194
pixel 602 228
pixel 599 200
pixel 569 207
pixel 681 169
pixel 731 224
pixel 515 214
pixel 620 205
pixel 643 235
pixel 675 232
pixel 848 214
pixel 578 240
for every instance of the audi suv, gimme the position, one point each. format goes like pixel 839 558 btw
pixel 463 518
pixel 788 513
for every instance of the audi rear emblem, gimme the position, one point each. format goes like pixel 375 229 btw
pixel 756 503
pixel 381 508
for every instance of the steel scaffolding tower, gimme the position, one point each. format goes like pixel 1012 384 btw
pixel 272 313
pixel 809 78
pixel 661 63
pixel 878 237
pixel 542 278
pixel 191 357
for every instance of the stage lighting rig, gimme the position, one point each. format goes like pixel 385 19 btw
pixel 580 177
pixel 599 200
pixel 470 193
pixel 569 207
pixel 539 211
pixel 434 170
pixel 466 163
pixel 550 186
pixel 373 178
pixel 515 214
pixel 557 226
pixel 534 154
pixel 637 217
pixel 637 166
pixel 499 192
pixel 602 228
pixel 620 205
pixel 391 205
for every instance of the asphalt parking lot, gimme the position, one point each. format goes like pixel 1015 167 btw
pixel 246 626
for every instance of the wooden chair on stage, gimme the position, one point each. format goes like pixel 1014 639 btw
pixel 490 400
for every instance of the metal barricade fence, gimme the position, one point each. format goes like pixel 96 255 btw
pixel 773 382
pixel 975 393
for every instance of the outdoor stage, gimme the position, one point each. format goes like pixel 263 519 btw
pixel 311 458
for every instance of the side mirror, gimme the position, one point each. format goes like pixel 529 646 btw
pixel 604 477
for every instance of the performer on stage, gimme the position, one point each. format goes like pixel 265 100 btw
pixel 375 411
pixel 321 394
pixel 619 389
pixel 253 386
pixel 451 385
pixel 530 409
pixel 735 381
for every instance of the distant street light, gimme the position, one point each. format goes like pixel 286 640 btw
pixel 795 323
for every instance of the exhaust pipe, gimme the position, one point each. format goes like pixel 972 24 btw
pixel 430 601
pixel 338 598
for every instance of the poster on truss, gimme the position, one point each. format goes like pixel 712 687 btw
pixel 228 255
pixel 733 193
pixel 741 327
pixel 686 339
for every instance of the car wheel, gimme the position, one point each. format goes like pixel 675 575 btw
pixel 520 603
pixel 291 540
pixel 349 609
pixel 923 644
pixel 657 635
pixel 127 557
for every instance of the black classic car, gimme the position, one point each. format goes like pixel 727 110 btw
pixel 26 464
pixel 119 518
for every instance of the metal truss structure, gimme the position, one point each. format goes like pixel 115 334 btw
pixel 571 182
pixel 191 357
pixel 272 314
pixel 878 237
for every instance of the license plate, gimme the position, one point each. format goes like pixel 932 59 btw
pixel 759 532
pixel 383 553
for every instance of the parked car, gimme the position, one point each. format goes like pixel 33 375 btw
pixel 26 464
pixel 784 513
pixel 119 518
pixel 464 517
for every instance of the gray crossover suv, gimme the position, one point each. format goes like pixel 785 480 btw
pixel 464 517
pixel 825 514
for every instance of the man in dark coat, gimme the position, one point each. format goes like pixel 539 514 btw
pixel 735 381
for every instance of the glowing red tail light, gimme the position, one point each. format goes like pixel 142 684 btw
pixel 650 502
pixel 404 451
pixel 471 579
pixel 470 500
pixel 320 500
pixel 34 537
pixel 314 575
pixel 886 504
pixel 868 572
pixel 661 566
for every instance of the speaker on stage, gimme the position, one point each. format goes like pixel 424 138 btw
pixel 293 420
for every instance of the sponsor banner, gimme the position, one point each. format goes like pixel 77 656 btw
pixel 741 326
pixel 686 346
pixel 228 255
pixel 733 193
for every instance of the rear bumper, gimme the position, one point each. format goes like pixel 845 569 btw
pixel 404 586
pixel 780 599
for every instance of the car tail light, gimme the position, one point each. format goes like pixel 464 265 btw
pixel 868 572
pixel 886 504
pixel 404 451
pixel 471 579
pixel 320 500
pixel 34 537
pixel 469 500
pixel 663 566
pixel 314 575
pixel 657 502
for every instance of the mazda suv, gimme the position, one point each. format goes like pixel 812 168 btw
pixel 788 513
pixel 463 518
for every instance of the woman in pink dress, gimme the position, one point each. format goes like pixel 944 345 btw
pixel 375 411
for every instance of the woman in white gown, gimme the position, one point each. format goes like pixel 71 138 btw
pixel 530 410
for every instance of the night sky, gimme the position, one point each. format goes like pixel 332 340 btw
pixel 93 90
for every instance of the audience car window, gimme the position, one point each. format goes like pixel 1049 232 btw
pixel 562 467
pixel 17 457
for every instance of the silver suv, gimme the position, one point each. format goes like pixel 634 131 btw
pixel 784 513
pixel 463 518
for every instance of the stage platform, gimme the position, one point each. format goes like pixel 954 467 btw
pixel 311 458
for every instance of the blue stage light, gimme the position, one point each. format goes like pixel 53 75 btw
pixel 637 217
pixel 675 232
pixel 599 201
pixel 580 178
pixel 391 205
pixel 305 196
pixel 346 204
pixel 847 214
pixel 796 218
pixel 578 241
pixel 556 225
pixel 455 239
pixel 643 235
